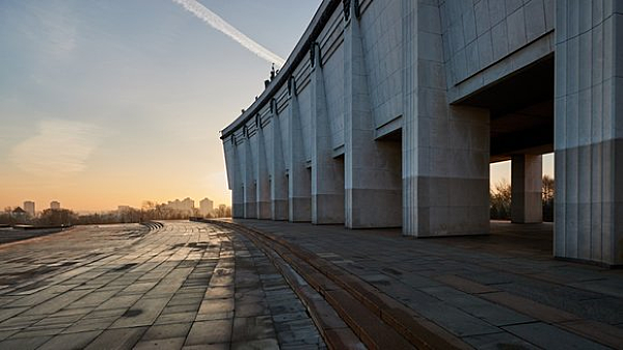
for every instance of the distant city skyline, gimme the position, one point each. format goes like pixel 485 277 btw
pixel 205 204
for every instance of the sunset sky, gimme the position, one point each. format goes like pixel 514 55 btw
pixel 107 103
pixel 104 103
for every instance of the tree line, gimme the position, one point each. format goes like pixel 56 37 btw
pixel 149 211
pixel 500 202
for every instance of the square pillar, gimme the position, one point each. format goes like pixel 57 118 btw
pixel 445 148
pixel 299 177
pixel 526 189
pixel 327 174
pixel 234 180
pixel 372 172
pixel 588 138
pixel 278 178
pixel 261 170
pixel 249 183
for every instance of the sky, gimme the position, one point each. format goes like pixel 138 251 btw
pixel 107 103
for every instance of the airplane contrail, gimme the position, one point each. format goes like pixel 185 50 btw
pixel 221 25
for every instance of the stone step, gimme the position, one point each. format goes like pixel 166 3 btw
pixel 378 320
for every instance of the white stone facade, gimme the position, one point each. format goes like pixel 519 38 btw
pixel 367 123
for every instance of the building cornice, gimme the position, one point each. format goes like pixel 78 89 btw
pixel 300 52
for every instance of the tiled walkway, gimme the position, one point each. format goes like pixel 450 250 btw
pixel 187 285
pixel 498 291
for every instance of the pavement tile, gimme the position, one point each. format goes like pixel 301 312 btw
pixel 263 344
pixel 210 332
pixel 259 308
pixel 123 338
pixel 70 341
pixel 213 306
pixel 105 313
pixel 530 308
pixel 549 337
pixel 215 316
pixel 252 328
pixel 30 333
pixel 91 325
pixel 29 343
pixel 465 285
pixel 161 344
pixel 119 302
pixel 70 312
pixel 57 303
pixel 19 322
pixel 92 300
pixel 7 313
pixel 603 333
pixel 176 309
pixel 498 341
pixel 222 346
pixel 6 334
pixel 143 313
pixel 219 292
pixel 55 320
pixel 175 330
pixel 487 311
pixel 176 318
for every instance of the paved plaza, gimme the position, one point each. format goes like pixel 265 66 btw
pixel 501 291
pixel 185 285
pixel 192 285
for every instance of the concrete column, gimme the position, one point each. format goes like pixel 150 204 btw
pixel 279 180
pixel 327 174
pixel 237 192
pixel 249 184
pixel 445 148
pixel 234 180
pixel 373 190
pixel 589 131
pixel 262 177
pixel 527 185
pixel 299 177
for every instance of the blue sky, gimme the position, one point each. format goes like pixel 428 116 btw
pixel 114 102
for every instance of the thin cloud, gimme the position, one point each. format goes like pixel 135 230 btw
pixel 221 25
pixel 59 148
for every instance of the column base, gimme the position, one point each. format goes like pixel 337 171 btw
pixel 300 209
pixel 250 211
pixel 327 209
pixel 373 208
pixel 279 208
pixel 439 206
pixel 237 210
pixel 264 210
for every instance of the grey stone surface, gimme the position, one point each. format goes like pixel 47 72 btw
pixel 550 337
pixel 493 292
pixel 181 285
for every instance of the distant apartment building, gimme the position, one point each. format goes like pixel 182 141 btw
pixel 29 207
pixel 54 205
pixel 186 205
pixel 123 208
pixel 206 206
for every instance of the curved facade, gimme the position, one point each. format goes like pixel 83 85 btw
pixel 389 112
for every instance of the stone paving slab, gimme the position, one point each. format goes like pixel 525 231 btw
pixel 490 291
pixel 178 285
